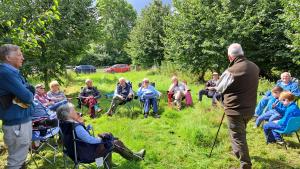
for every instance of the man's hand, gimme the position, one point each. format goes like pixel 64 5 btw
pixel 105 135
pixel 211 88
pixel 130 95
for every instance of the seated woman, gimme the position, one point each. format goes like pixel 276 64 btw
pixel 177 90
pixel 41 96
pixel 147 95
pixel 105 141
pixel 89 95
pixel 123 93
pixel 55 94
pixel 292 110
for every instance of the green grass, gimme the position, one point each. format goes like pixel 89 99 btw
pixel 179 139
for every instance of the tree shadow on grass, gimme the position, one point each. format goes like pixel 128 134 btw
pixel 293 145
pixel 271 163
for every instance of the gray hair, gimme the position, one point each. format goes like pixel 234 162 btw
pixel 285 73
pixel 122 79
pixel 88 80
pixel 6 49
pixel 235 50
pixel 63 111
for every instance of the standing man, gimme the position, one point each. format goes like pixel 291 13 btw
pixel 16 98
pixel 239 86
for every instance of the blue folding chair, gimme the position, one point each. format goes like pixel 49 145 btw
pixel 292 126
pixel 43 130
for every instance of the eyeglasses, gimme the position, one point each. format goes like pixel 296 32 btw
pixel 79 114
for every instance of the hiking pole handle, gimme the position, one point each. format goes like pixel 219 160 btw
pixel 217 135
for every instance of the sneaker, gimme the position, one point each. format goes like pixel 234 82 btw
pixel 141 153
pixel 108 113
pixel 280 142
pixel 145 115
pixel 156 115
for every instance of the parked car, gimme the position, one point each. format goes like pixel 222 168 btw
pixel 85 69
pixel 118 68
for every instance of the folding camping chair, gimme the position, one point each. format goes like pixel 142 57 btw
pixel 80 103
pixel 128 103
pixel 44 129
pixel 292 127
pixel 78 151
pixel 141 102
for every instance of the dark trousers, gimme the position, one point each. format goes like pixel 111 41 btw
pixel 210 94
pixel 237 130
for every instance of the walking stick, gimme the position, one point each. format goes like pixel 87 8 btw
pixel 216 135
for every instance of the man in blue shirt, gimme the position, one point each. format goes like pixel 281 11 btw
pixel 16 97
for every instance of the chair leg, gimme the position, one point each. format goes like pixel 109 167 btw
pixel 297 136
pixel 284 142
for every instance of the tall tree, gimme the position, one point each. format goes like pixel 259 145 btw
pixel 50 32
pixel 117 19
pixel 199 32
pixel 146 46
pixel 291 16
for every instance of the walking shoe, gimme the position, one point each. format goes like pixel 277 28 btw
pixel 280 142
pixel 141 153
pixel 146 115
pixel 156 115
pixel 109 113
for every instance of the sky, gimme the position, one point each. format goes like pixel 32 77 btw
pixel 138 5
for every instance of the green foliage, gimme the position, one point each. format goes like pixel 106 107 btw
pixel 291 16
pixel 146 47
pixel 51 33
pixel 117 17
pixel 199 31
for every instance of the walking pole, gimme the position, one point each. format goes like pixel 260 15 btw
pixel 216 135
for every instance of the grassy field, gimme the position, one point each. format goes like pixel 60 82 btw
pixel 179 139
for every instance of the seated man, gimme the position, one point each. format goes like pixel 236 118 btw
pixel 88 96
pixel 55 94
pixel 177 90
pixel 45 100
pixel 123 93
pixel 286 83
pixel 210 91
pixel 105 142
pixel 292 110
pixel 148 94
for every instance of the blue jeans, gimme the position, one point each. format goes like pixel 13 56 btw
pixel 270 134
pixel 270 115
pixel 56 105
pixel 148 102
pixel 262 104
